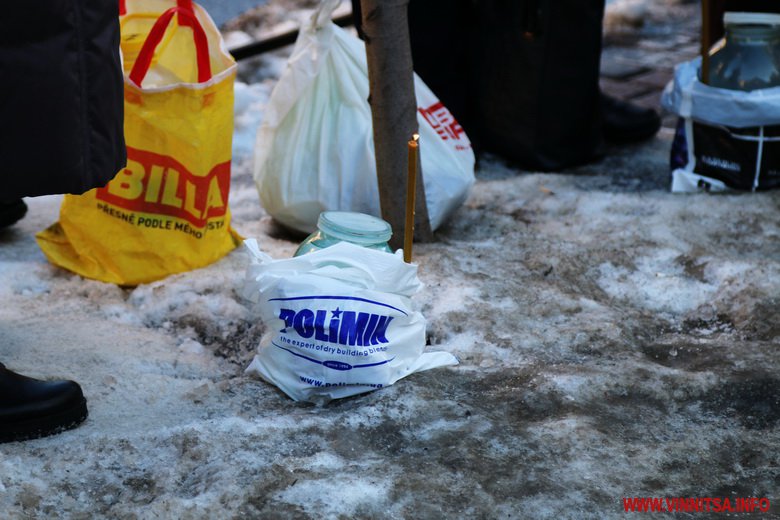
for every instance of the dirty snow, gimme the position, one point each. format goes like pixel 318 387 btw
pixel 615 341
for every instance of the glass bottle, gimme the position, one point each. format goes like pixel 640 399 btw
pixel 345 226
pixel 748 57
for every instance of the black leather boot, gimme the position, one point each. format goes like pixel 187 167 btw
pixel 30 408
pixel 12 211
pixel 624 122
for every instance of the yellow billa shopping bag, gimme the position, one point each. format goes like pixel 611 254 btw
pixel 167 211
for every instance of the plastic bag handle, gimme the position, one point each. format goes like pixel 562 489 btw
pixel 144 60
pixel 324 13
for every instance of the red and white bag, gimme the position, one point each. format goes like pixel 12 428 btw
pixel 315 147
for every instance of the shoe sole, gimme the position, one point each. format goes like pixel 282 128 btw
pixel 11 214
pixel 44 426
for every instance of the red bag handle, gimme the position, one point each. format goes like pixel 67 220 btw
pixel 144 60
pixel 186 4
pixel 183 21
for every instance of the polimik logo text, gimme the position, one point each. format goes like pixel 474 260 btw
pixel 158 184
pixel 342 327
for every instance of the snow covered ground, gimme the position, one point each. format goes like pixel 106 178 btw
pixel 615 341
pixel 224 10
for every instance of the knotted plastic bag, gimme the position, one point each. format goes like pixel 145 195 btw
pixel 315 148
pixel 340 321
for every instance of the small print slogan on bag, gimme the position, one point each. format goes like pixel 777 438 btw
pixel 167 210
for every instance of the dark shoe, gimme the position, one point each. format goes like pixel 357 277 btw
pixel 30 408
pixel 625 123
pixel 10 212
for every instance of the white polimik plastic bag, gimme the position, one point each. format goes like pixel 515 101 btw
pixel 315 147
pixel 340 321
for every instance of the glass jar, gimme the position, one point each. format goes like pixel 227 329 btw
pixel 748 57
pixel 344 226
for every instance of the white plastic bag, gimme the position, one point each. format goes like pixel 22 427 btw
pixel 340 321
pixel 727 139
pixel 315 147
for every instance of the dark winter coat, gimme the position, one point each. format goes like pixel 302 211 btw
pixel 61 96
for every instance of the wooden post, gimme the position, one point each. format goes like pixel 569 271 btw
pixel 706 39
pixel 393 112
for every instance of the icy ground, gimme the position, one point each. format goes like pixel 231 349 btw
pixel 615 341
